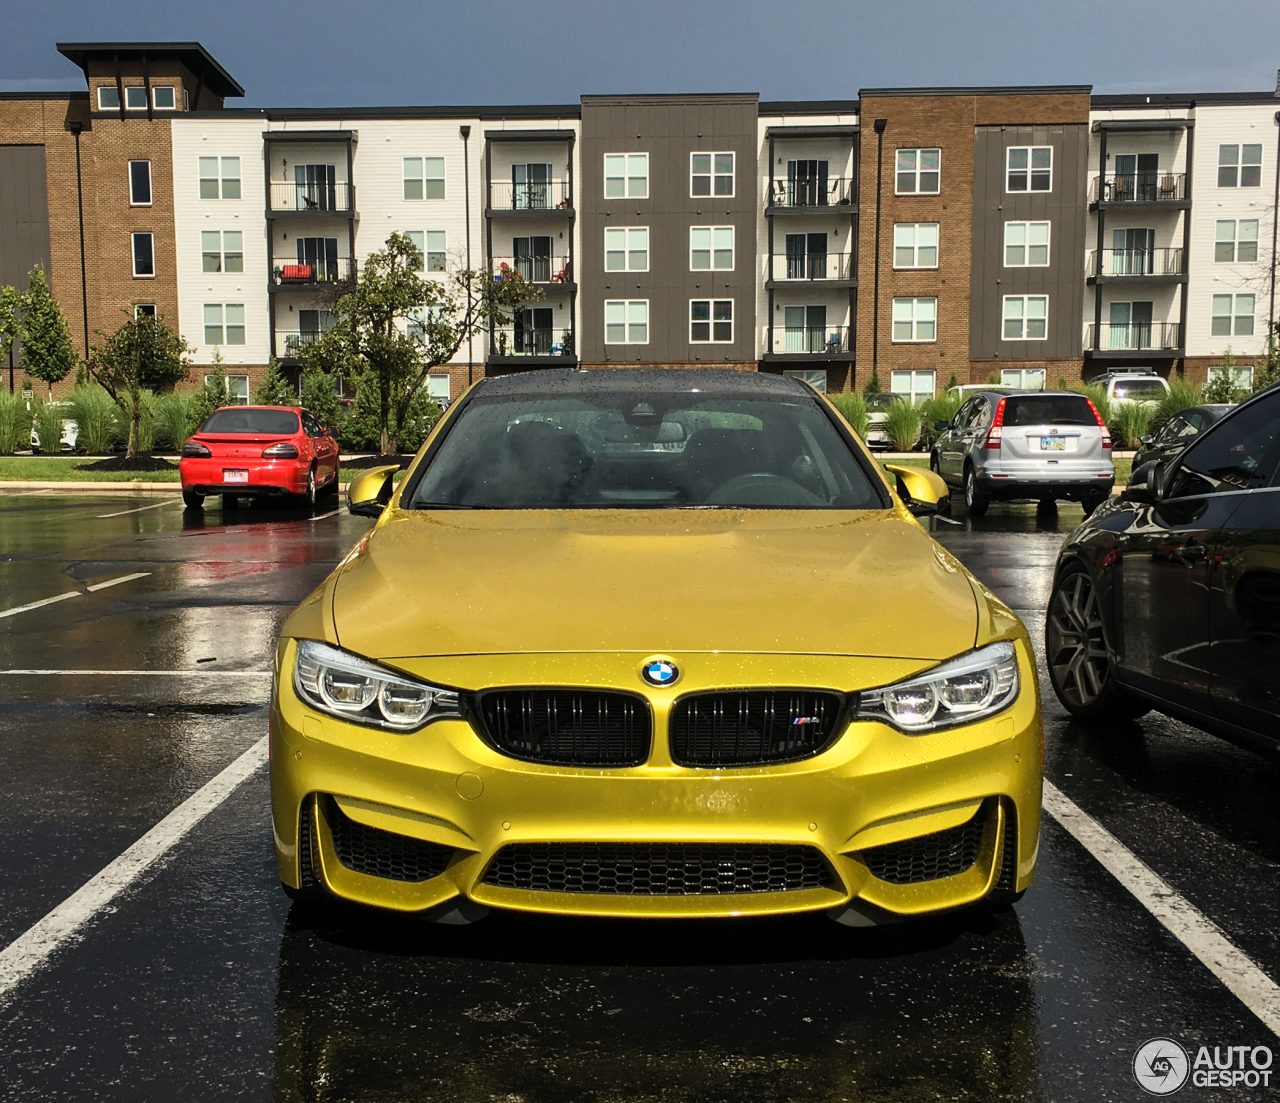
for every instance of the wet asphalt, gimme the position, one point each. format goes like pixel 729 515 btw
pixel 201 983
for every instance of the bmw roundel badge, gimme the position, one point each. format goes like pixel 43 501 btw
pixel 660 672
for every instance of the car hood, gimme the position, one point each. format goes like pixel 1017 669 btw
pixel 804 582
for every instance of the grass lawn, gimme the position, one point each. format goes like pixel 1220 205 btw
pixel 61 469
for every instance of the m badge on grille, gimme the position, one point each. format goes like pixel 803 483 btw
pixel 660 672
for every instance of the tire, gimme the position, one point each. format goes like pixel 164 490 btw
pixel 311 488
pixel 192 500
pixel 1076 652
pixel 229 502
pixel 1090 502
pixel 975 501
pixel 935 464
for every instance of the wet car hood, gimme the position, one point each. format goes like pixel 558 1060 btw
pixel 801 582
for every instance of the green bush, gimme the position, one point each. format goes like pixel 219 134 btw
pixel 47 420
pixel 275 389
pixel 902 423
pixel 942 407
pixel 97 418
pixel 146 423
pixel 1097 394
pixel 1226 386
pixel 320 396
pixel 1181 395
pixel 175 419
pixel 1129 421
pixel 853 407
pixel 15 424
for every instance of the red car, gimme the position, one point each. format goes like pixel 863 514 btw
pixel 259 451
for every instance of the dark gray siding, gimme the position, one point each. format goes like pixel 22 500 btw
pixel 1066 209
pixel 668 128
pixel 24 214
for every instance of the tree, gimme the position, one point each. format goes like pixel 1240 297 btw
pixel 275 389
pixel 395 326
pixel 1266 371
pixel 320 396
pixel 1225 386
pixel 10 319
pixel 143 354
pixel 47 351
pixel 213 392
pixel 873 384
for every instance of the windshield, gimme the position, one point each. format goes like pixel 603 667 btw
pixel 264 423
pixel 1139 388
pixel 644 450
pixel 1048 409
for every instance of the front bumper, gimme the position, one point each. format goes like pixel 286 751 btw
pixel 266 477
pixel 873 788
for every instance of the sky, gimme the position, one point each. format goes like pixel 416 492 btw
pixel 322 53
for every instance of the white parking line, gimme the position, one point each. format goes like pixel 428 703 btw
pixel 152 673
pixel 324 515
pixel 140 509
pixel 116 581
pixel 1249 984
pixel 73 593
pixel 32 948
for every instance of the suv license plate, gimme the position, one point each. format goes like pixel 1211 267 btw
pixel 1053 444
pixel 231 476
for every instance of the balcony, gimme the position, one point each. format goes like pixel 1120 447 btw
pixel 311 199
pixel 549 270
pixel 289 343
pixel 831 268
pixel 506 198
pixel 533 345
pixel 1133 339
pixel 322 272
pixel 807 342
pixel 1160 189
pixel 1135 266
pixel 800 196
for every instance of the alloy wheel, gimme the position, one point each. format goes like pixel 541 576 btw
pixel 311 487
pixel 1076 645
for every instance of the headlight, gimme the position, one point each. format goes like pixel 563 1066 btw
pixel 355 689
pixel 959 691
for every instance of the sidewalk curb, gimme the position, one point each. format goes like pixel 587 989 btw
pixel 114 488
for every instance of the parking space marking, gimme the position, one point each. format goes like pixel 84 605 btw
pixel 1199 934
pixel 32 948
pixel 72 593
pixel 140 509
pixel 152 673
pixel 324 515
pixel 116 581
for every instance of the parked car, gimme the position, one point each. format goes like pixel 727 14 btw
pixel 1134 385
pixel 1177 433
pixel 258 451
pixel 550 680
pixel 1044 445
pixel 70 431
pixel 1169 597
pixel 877 413
pixel 964 390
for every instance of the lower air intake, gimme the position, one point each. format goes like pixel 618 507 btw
pixel 930 857
pixel 658 869
pixel 379 853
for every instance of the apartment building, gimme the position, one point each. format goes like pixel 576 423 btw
pixel 911 235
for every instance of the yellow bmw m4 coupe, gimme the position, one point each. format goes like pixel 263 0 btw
pixel 653 643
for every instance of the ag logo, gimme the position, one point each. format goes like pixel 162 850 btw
pixel 1161 1066
pixel 660 672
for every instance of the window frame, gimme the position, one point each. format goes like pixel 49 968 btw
pixel 133 201
pixel 627 322
pixel 221 179
pixel 1024 319
pixel 914 322
pixel 913 391
pixel 1030 171
pixel 1235 241
pixel 1215 370
pixel 1021 383
pixel 916 246
pixel 1027 244
pixel 1238 164
pixel 113 92
pixel 156 89
pixel 234 389
pixel 135 238
pixel 712 250
pixel 1235 315
pixel 139 309
pixel 222 252
pixel 626 176
pixel 811 376
pixel 713 176
pixel 712 322
pixel 897 171
pixel 128 88
pixel 626 250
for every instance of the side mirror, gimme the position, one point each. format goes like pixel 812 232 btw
pixel 370 492
pixel 942 426
pixel 1145 484
pixel 324 432
pixel 921 491
pixel 1146 438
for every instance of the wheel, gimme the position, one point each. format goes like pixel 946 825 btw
pixel 192 500
pixel 1090 502
pixel 1076 652
pixel 311 487
pixel 975 501
pixel 229 501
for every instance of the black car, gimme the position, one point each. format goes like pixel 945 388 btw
pixel 1178 432
pixel 1168 597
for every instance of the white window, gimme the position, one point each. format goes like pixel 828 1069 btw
pixel 163 97
pixel 224 325
pixel 1026 317
pixel 135 98
pixel 1232 314
pixel 108 97
pixel 1241 375
pixel 419 238
pixel 915 385
pixel 711 247
pixel 710 174
pixel 1026 244
pixel 438 386
pixel 238 386
pixel 1240 166
pixel 626 249
pixel 915 319
pixel 140 183
pixel 424 177
pixel 626 322
pixel 1236 240
pixel 915 245
pixel 139 309
pixel 1029 168
pixel 816 379
pixel 710 320
pixel 432 245
pixel 919 172
pixel 219 177
pixel 144 255
pixel 1027 379
pixel 222 252
pixel 626 176
pixel 413 177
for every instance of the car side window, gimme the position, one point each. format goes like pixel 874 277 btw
pixel 1172 430
pixel 310 425
pixel 1242 452
pixel 980 414
pixel 1193 424
pixel 962 415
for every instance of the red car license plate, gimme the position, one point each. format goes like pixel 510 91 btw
pixel 234 476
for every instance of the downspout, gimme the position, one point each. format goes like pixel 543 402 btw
pixel 768 204
pixel 465 131
pixel 1275 214
pixel 1101 242
pixel 76 127
pixel 880 125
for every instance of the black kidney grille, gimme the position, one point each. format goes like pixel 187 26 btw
pixel 567 727
pixel 750 727
pixel 658 869
pixel 929 857
pixel 384 854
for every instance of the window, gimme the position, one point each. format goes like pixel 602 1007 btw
pixel 144 255
pixel 1241 375
pixel 149 309
pixel 424 177
pixel 1236 240
pixel 1240 458
pixel 711 320
pixel 816 379
pixel 711 247
pixel 219 177
pixel 915 385
pixel 1026 244
pixel 413 177
pixel 108 97
pixel 1026 379
pixel 626 249
pixel 915 319
pixel 919 171
pixel 140 183
pixel 1026 317
pixel 1240 166
pixel 237 386
pixel 626 322
pixel 431 244
pixel 135 98
pixel 915 245
pixel 1232 314
pixel 163 97
pixel 533 258
pixel 710 174
pixel 222 252
pixel 438 386
pixel 626 176
pixel 224 325
pixel 419 238
pixel 1029 168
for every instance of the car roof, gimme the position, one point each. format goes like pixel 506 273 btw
pixel 1014 392
pixel 717 381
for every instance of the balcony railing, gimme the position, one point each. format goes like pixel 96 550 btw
pixel 812 266
pixel 836 191
pixel 1136 262
pixel 311 198
pixel 527 341
pixel 550 196
pixel 534 269
pixel 291 342
pixel 1117 337
pixel 809 340
pixel 1139 187
pixel 310 273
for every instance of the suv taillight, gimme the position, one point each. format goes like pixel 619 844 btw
pixel 996 432
pixel 1106 433
pixel 195 448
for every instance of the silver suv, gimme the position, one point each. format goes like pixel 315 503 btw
pixel 1045 445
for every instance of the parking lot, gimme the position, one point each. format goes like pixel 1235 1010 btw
pixel 195 981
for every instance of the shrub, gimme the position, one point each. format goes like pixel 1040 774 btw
pixel 941 408
pixel 902 423
pixel 47 420
pixel 1129 421
pixel 419 420
pixel 15 423
pixel 97 418
pixel 1097 394
pixel 1181 395
pixel 853 407
pixel 175 418
pixel 275 389
pixel 873 383
pixel 320 396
